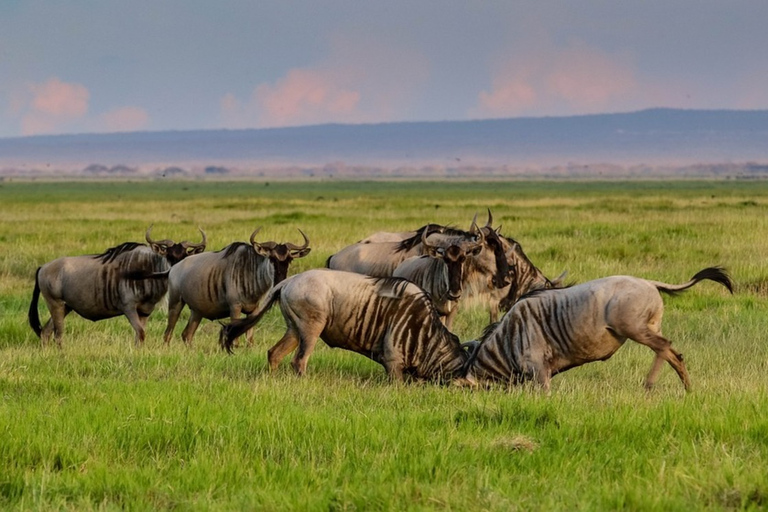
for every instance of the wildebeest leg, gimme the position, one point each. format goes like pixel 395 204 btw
pixel 451 315
pixel 664 351
pixel 189 331
pixel 137 322
pixel 282 348
pixel 653 374
pixel 55 324
pixel 307 342
pixel 175 305
pixel 493 311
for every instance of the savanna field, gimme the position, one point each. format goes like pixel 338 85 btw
pixel 103 425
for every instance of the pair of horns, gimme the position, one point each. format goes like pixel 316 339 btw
pixel 473 230
pixel 169 243
pixel 272 245
pixel 489 225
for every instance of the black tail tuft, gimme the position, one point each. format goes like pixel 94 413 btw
pixel 716 274
pixel 230 332
pixel 33 315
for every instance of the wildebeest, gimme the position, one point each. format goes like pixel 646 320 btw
pixel 100 286
pixel 389 320
pixel 524 277
pixel 550 331
pixel 441 272
pixel 379 254
pixel 227 283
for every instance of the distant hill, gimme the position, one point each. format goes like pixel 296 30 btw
pixel 656 137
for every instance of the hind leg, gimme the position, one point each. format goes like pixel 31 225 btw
pixel 307 344
pixel 192 324
pixel 55 325
pixel 282 348
pixel 664 352
pixel 175 306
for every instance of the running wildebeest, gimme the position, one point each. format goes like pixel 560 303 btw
pixel 228 282
pixel 550 331
pixel 389 320
pixel 103 286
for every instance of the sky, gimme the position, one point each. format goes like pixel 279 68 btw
pixel 99 66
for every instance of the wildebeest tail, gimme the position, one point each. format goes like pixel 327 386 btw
pixel 231 331
pixel 33 315
pixel 716 274
pixel 138 275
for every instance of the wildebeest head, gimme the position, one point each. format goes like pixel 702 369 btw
pixel 454 256
pixel 172 251
pixel 501 277
pixel 525 276
pixel 280 255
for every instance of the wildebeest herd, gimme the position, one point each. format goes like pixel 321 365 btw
pixel 392 297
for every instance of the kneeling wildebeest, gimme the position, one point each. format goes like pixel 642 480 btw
pixel 389 320
pixel 550 331
pixel 228 282
pixel 99 286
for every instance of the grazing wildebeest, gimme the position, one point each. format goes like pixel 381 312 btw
pixel 389 320
pixel 227 283
pixel 550 331
pixel 442 273
pixel 100 286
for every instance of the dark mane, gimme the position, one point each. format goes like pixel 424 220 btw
pixel 540 291
pixel 110 254
pixel 233 248
pixel 487 331
pixel 410 243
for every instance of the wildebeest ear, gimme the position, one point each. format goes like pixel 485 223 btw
pixel 261 250
pixel 301 253
pixel 195 250
pixel 160 249
pixel 476 250
pixel 558 281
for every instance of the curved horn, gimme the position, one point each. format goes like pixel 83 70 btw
pixel 202 244
pixel 156 242
pixel 253 236
pixel 293 247
pixel 490 220
pixel 424 241
pixel 473 226
pixel 480 237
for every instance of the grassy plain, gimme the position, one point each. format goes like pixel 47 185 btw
pixel 104 425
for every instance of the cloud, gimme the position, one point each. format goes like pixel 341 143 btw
pixel 125 119
pixel 360 81
pixel 306 96
pixel 572 80
pixel 51 105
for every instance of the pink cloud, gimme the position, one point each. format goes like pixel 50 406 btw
pixel 305 96
pixel 574 80
pixel 125 119
pixel 360 81
pixel 51 105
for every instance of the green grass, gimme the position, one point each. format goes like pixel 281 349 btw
pixel 102 424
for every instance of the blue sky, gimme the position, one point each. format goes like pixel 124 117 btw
pixel 79 66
